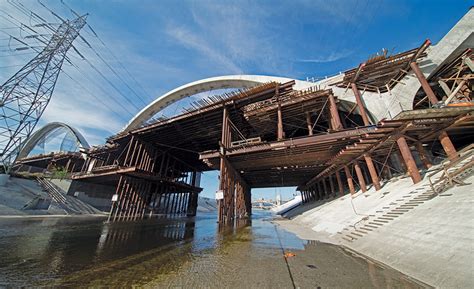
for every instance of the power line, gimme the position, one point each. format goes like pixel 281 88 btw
pixel 111 52
pixel 90 64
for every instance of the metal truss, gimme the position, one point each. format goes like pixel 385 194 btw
pixel 24 97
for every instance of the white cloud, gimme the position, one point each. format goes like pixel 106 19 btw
pixel 333 56
pixel 191 40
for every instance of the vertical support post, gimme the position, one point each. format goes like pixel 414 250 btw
pixel 448 146
pixel 350 182
pixel 339 183
pixel 409 161
pixel 360 104
pixel 331 184
pixel 309 123
pixel 320 191
pixel 335 119
pixel 360 177
pixel 281 133
pixel 423 155
pixel 323 180
pixel 372 172
pixel 424 83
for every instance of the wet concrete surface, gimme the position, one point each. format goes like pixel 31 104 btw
pixel 178 253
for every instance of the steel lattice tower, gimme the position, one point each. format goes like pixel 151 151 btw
pixel 24 97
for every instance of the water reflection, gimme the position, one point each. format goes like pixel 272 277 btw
pixel 35 251
pixel 179 252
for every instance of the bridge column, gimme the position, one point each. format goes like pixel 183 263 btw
pixel 360 177
pixel 409 161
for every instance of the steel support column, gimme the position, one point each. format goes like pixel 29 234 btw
pixel 360 177
pixel 360 104
pixel 350 182
pixel 448 146
pixel 335 119
pixel 424 83
pixel 372 172
pixel 309 123
pixel 331 184
pixel 280 132
pixel 409 161
pixel 339 183
pixel 423 155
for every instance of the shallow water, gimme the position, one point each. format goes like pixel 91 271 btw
pixel 178 253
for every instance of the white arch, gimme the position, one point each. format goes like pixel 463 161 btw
pixel 44 131
pixel 207 84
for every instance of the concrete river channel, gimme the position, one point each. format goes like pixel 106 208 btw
pixel 178 253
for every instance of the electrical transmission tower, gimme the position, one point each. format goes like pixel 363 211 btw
pixel 24 97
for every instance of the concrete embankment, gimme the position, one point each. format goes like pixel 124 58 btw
pixel 427 236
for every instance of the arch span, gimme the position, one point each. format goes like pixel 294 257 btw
pixel 207 84
pixel 37 136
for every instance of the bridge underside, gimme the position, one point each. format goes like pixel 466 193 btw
pixel 272 136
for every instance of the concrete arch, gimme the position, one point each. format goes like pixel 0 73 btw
pixel 44 131
pixel 207 84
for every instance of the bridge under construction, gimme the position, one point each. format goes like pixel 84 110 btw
pixel 390 115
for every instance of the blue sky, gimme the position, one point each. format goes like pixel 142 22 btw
pixel 165 44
